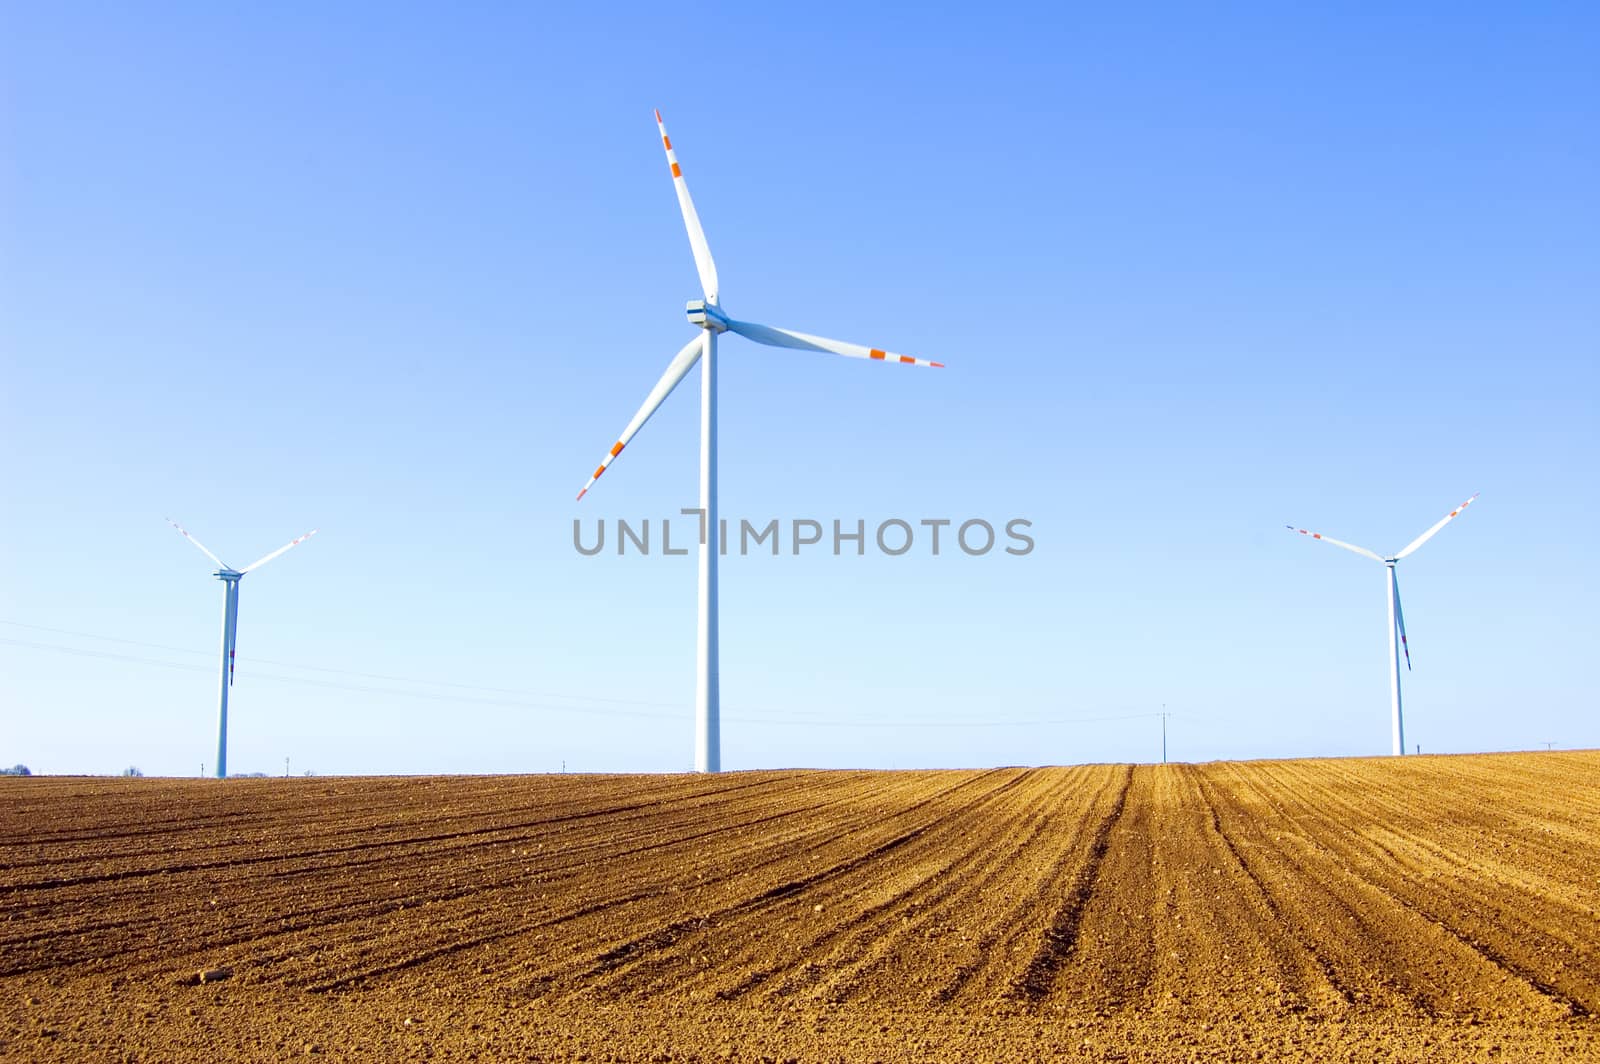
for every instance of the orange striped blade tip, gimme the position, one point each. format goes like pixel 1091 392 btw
pixel 882 356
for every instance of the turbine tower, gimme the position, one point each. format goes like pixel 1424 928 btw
pixel 230 578
pixel 707 315
pixel 1397 620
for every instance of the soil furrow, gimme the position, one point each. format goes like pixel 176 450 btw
pixel 1060 938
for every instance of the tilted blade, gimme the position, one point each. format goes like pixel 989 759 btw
pixel 200 546
pixel 691 220
pixel 233 625
pixel 1335 542
pixel 680 365
pixel 1446 519
pixel 258 563
pixel 1400 621
pixel 772 337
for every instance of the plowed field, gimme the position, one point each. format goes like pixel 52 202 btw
pixel 1440 908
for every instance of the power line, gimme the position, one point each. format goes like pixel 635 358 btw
pixel 341 672
pixel 676 707
pixel 934 722
pixel 758 717
pixel 309 682
pixel 83 653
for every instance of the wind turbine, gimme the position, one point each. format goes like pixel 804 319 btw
pixel 1397 620
pixel 230 577
pixel 708 316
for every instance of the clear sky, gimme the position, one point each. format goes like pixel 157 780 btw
pixel 403 272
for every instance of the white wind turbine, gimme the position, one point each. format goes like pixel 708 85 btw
pixel 230 627
pixel 1397 620
pixel 707 314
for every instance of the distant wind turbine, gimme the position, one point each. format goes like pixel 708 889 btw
pixel 1397 620
pixel 707 314
pixel 230 627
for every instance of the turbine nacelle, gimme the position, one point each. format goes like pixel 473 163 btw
pixel 228 574
pixel 704 315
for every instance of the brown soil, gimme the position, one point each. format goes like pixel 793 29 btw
pixel 1433 908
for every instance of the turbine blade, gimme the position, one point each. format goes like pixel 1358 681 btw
pixel 1335 542
pixel 691 220
pixel 1400 621
pixel 200 546
pixel 766 334
pixel 1446 519
pixel 680 365
pixel 233 625
pixel 258 563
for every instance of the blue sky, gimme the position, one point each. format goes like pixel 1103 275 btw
pixel 403 273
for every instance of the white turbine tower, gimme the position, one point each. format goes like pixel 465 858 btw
pixel 708 315
pixel 230 578
pixel 1397 620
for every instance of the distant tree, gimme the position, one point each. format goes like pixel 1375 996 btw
pixel 132 770
pixel 19 769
